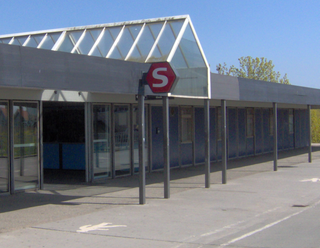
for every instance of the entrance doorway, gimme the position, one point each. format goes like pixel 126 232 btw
pixel 64 142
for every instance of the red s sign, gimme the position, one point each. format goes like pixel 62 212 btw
pixel 161 77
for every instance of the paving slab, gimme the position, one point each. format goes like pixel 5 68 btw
pixel 254 197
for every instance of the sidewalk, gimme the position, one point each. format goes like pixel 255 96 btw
pixel 109 214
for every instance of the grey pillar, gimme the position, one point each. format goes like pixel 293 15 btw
pixel 166 142
pixel 224 140
pixel 11 147
pixel 88 141
pixel 113 150
pixel 40 147
pixel 275 136
pixel 142 137
pixel 207 141
pixel 310 137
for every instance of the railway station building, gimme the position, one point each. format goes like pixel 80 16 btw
pixel 68 103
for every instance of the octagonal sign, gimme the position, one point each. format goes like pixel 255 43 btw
pixel 161 77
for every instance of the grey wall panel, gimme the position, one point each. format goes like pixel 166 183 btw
pixel 10 65
pixel 44 69
pixel 242 89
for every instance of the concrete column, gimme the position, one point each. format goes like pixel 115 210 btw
pixel 166 142
pixel 207 141
pixel 142 137
pixel 11 148
pixel 309 136
pixel 40 149
pixel 275 136
pixel 224 140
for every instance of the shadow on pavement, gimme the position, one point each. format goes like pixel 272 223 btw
pixel 60 194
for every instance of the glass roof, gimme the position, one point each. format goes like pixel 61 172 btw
pixel 171 39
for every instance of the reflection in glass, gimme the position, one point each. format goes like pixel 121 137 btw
pixel 127 38
pixel 136 139
pixel 19 41
pixel 191 67
pixel 145 43
pixel 4 168
pixel 101 141
pixel 122 139
pixel 25 119
pixel 166 41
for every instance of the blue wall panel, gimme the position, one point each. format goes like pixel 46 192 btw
pixel 267 139
pixel 280 129
pixel 186 154
pixel 258 131
pixel 51 156
pixel 286 136
pixel 250 146
pixel 199 135
pixel 242 132
pixel 157 137
pixel 174 136
pixel 73 156
pixel 213 145
pixel 232 133
pixel 297 129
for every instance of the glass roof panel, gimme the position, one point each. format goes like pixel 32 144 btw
pixel 179 60
pixel 176 26
pixel 86 44
pixel 19 40
pixel 75 36
pixel 190 49
pixel 38 38
pixel 116 54
pixel 144 45
pixel 66 45
pixel 164 45
pixel 114 32
pixel 47 43
pixel 22 39
pixel 191 67
pixel 155 29
pixel 32 42
pixel 95 33
pixel 106 42
pixel 187 58
pixel 15 42
pixel 6 40
pixel 124 45
pixel 104 45
pixel 55 36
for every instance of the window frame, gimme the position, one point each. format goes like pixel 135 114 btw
pixel 186 137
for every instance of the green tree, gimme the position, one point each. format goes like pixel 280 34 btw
pixel 315 125
pixel 258 69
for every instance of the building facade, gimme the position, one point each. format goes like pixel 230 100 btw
pixel 68 102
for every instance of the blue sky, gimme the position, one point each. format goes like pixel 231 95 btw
pixel 284 31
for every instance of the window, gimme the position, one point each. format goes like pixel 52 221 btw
pixel 186 124
pixel 250 122
pixel 271 120
pixel 291 125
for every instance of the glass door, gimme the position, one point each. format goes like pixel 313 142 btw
pixel 4 165
pixel 136 138
pixel 102 166
pixel 25 136
pixel 122 140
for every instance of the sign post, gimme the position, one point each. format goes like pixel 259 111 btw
pixel 142 138
pixel 162 79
